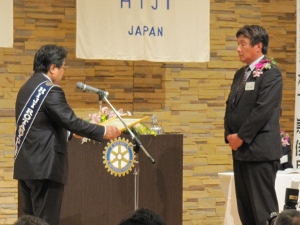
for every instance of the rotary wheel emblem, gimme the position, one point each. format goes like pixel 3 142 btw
pixel 119 157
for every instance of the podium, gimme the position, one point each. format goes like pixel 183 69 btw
pixel 93 196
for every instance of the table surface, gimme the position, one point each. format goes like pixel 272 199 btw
pixel 283 181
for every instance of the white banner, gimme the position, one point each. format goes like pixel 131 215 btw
pixel 153 30
pixel 296 145
pixel 6 23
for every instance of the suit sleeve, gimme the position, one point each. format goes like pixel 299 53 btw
pixel 226 127
pixel 229 100
pixel 61 113
pixel 268 102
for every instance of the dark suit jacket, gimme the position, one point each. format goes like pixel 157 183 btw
pixel 44 152
pixel 255 116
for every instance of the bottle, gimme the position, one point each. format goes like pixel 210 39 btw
pixel 157 129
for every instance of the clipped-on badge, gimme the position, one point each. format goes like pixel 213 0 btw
pixel 119 157
pixel 48 83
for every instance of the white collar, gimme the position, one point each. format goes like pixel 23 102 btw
pixel 47 77
pixel 252 65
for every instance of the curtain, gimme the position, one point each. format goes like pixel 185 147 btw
pixel 6 23
pixel 153 30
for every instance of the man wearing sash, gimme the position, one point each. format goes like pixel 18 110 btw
pixel 43 118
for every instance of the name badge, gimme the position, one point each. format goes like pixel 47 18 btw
pixel 284 159
pixel 249 86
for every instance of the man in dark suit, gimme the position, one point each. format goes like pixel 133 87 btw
pixel 43 119
pixel 252 130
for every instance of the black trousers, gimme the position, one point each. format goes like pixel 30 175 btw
pixel 43 198
pixel 255 190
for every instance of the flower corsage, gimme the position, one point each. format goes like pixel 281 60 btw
pixel 263 65
pixel 285 139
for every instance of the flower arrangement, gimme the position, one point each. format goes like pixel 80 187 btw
pixel 285 139
pixel 140 129
pixel 106 114
pixel 263 65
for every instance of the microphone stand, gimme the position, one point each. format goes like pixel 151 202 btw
pixel 100 103
pixel 136 177
pixel 137 146
pixel 138 142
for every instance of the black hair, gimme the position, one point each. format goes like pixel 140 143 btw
pixel 48 55
pixel 256 34
pixel 143 216
pixel 30 220
pixel 288 217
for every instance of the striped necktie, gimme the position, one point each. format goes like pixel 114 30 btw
pixel 242 84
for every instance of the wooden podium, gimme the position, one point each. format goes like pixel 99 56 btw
pixel 93 196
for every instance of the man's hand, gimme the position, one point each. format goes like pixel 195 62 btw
pixel 111 132
pixel 234 141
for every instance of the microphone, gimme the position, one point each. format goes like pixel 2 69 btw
pixel 86 87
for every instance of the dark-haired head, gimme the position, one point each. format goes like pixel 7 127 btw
pixel 143 216
pixel 256 34
pixel 30 220
pixel 288 217
pixel 48 55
